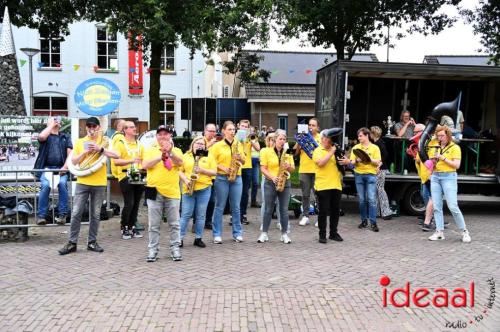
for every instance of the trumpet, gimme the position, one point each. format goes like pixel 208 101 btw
pixel 93 161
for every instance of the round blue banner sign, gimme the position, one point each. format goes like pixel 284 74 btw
pixel 97 96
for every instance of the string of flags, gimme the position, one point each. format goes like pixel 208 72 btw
pixel 95 68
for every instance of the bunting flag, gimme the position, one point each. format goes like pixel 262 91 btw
pixel 275 71
pixel 112 68
pixel 308 71
pixel 201 71
pixel 40 64
pixel 253 74
pixel 291 71
pixel 76 67
pixel 131 70
pixel 58 65
pixel 23 62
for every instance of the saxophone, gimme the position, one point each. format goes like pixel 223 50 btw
pixel 194 177
pixel 235 163
pixel 283 174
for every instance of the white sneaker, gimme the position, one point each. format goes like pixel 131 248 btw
pixel 304 221
pixel 263 237
pixel 466 236
pixel 285 239
pixel 438 235
pixel 278 226
pixel 316 224
pixel 238 239
pixel 217 240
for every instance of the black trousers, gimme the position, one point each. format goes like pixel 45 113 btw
pixel 132 194
pixel 329 205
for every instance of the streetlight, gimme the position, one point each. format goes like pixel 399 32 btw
pixel 31 52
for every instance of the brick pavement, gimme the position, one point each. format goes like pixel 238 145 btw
pixel 305 286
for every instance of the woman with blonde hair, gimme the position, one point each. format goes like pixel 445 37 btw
pixel 444 183
pixel 197 162
pixel 383 208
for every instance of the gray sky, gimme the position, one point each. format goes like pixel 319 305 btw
pixel 458 40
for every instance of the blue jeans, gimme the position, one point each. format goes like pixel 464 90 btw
pixel 198 201
pixel 270 197
pixel 426 192
pixel 445 183
pixel 43 198
pixel 366 185
pixel 255 178
pixel 223 189
pixel 246 179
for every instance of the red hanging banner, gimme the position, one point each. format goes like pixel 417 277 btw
pixel 135 69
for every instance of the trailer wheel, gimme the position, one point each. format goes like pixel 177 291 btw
pixel 413 202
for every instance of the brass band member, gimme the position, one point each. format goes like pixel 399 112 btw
pixel 91 186
pixel 328 186
pixel 229 156
pixel 117 136
pixel 196 173
pixel 130 156
pixel 306 172
pixel 444 183
pixel 249 141
pixel 276 165
pixel 162 161
pixel 210 140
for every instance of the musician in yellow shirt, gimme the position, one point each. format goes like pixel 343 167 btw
pixel 91 186
pixel 444 183
pixel 328 186
pixel 210 136
pixel 307 170
pixel 197 161
pixel 365 176
pixel 162 162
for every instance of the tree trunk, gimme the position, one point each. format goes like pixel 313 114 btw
pixel 339 47
pixel 154 85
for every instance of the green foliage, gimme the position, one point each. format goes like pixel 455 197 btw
pixel 485 20
pixel 246 65
pixel 353 26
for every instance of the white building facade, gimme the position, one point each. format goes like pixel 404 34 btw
pixel 92 51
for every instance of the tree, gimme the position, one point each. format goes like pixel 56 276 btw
pixel 209 26
pixel 485 20
pixel 245 66
pixel 353 26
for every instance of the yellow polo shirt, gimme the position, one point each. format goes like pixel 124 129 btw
pixel 164 180
pixel 221 152
pixel 204 181
pixel 373 151
pixel 269 158
pixel 307 165
pixel 247 147
pixel 99 177
pixel 117 136
pixel 450 152
pixel 127 150
pixel 327 176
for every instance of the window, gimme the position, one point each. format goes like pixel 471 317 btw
pixel 50 105
pixel 168 58
pixel 168 111
pixel 225 91
pixel 283 122
pixel 107 49
pixel 50 52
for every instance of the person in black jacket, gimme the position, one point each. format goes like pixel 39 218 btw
pixel 383 208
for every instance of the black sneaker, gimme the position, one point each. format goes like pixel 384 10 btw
pixel 374 227
pixel 68 248
pixel 199 243
pixel 231 221
pixel 244 220
pixel 322 240
pixel 126 234
pixel 94 246
pixel 136 233
pixel 336 237
pixel 255 205
pixel 182 244
pixel 427 228
pixel 389 217
pixel 363 224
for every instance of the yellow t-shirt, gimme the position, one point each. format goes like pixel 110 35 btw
pixel 269 158
pixel 127 150
pixel 115 170
pixel 221 152
pixel 203 181
pixel 373 151
pixel 247 147
pixel 99 177
pixel 307 165
pixel 450 152
pixel 327 176
pixel 422 170
pixel 164 180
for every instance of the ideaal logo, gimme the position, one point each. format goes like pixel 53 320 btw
pixel 440 297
